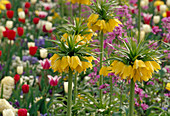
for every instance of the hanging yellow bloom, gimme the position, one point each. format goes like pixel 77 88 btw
pixel 168 86
pixel 87 2
pixel 84 39
pixel 105 70
pixel 106 26
pixel 141 71
pixel 3 3
pixel 74 63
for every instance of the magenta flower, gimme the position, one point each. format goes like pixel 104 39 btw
pixel 144 106
pixel 45 64
pixel 53 80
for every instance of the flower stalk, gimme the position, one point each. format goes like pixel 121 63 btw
pixel 75 88
pixel 132 94
pixel 111 90
pixel 101 62
pixel 69 101
pixel 139 20
pixel 79 10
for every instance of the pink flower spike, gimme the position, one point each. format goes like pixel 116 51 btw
pixel 53 80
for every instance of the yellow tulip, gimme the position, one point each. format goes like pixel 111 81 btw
pixel 168 86
pixel 158 3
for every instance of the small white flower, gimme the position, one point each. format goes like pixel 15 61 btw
pixel 9 24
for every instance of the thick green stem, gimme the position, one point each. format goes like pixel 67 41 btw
pixel 75 88
pixel 71 12
pixel 62 8
pixel 69 101
pixel 79 10
pixel 101 63
pixel 139 20
pixel 111 90
pixel 132 95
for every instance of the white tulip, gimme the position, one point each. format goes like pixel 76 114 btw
pixel 147 28
pixel 20 70
pixel 21 15
pixel 9 24
pixel 43 53
pixel 168 3
pixel 156 19
pixel 11 42
pixel 8 112
pixel 163 8
pixel 66 86
pixel 33 1
pixel 31 44
pixel 2 28
pixel 49 18
pixel 48 26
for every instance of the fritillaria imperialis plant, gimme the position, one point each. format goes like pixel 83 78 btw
pixel 102 20
pixel 135 63
pixel 71 56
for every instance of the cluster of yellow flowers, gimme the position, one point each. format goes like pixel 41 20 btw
pixel 87 2
pixel 3 3
pixel 139 71
pixel 74 63
pixel 84 39
pixel 96 24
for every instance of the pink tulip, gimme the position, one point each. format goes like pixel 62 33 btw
pixel 45 64
pixel 53 80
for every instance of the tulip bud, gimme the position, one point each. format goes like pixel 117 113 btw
pixel 31 44
pixel 66 86
pixel 48 26
pixel 163 8
pixel 147 28
pixel 43 53
pixel 21 15
pixel 20 70
pixel 16 78
pixel 156 19
pixel 33 1
pixel 33 50
pixel 27 5
pixel 49 18
pixel 11 42
pixel 36 20
pixel 8 6
pixel 9 24
pixel 10 14
pixel 25 88
pixel 168 3
pixel 22 112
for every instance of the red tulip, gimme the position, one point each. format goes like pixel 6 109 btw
pixel 33 50
pixel 21 20
pixel 0 53
pixel 10 14
pixel 8 6
pixel 22 112
pixel 27 5
pixel 16 78
pixel 11 34
pixel 5 33
pixel 158 8
pixel 44 29
pixel 20 31
pixel 150 0
pixel 36 20
pixel 167 13
pixel 25 88
pixel 26 10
